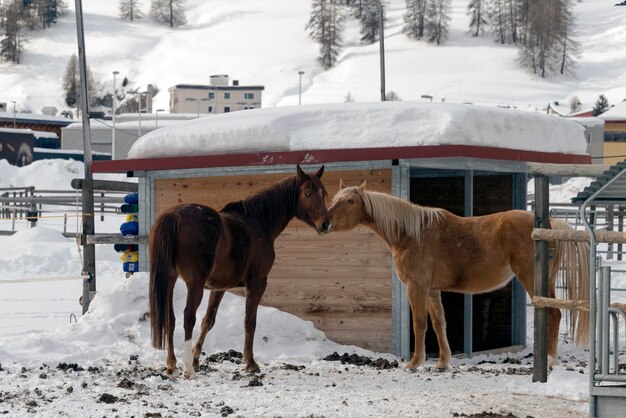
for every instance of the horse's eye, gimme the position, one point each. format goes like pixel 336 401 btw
pixel 307 193
pixel 351 201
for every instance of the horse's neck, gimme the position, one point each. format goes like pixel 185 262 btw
pixel 398 222
pixel 273 208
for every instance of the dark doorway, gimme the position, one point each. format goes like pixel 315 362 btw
pixel 492 312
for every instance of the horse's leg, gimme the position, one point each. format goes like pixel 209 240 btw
pixel 418 301
pixel 195 291
pixel 170 325
pixel 438 318
pixel 207 323
pixel 254 293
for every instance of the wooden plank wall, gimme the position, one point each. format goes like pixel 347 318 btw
pixel 341 281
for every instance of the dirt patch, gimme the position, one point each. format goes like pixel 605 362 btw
pixel 356 360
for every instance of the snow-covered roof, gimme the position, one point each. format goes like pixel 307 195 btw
pixel 34 117
pixel 363 125
pixel 616 113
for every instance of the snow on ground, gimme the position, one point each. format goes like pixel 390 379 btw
pixel 264 42
pixel 363 125
pixel 103 365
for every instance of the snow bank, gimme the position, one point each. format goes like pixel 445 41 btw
pixel 363 125
pixel 117 326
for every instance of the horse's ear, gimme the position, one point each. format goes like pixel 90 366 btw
pixel 320 172
pixel 301 173
pixel 361 188
pixel 341 186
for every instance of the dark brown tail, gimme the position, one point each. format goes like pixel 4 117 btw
pixel 162 249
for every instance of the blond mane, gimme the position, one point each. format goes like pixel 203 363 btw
pixel 394 217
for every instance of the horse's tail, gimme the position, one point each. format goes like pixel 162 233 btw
pixel 573 259
pixel 162 268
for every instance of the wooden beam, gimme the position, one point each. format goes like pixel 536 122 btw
pixel 111 239
pixel 107 185
pixel 610 237
pixel 581 305
pixel 573 170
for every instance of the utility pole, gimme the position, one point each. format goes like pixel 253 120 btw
pixel 381 39
pixel 114 105
pixel 89 250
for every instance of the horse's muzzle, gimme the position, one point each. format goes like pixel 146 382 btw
pixel 324 228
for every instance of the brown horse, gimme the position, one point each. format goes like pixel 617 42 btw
pixel 221 250
pixel 436 251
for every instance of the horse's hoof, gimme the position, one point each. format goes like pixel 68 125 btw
pixel 196 364
pixel 189 374
pixel 253 368
pixel 412 366
pixel 441 367
pixel 172 372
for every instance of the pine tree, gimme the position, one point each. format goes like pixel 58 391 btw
pixel 168 11
pixel 569 48
pixel 436 21
pixel 549 47
pixel 348 98
pixel 71 84
pixel 500 23
pixel 414 19
pixel 477 9
pixel 325 26
pixel 11 44
pixel 50 11
pixel 523 21
pixel 370 20
pixel 130 10
pixel 601 105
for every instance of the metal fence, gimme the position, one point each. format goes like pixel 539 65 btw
pixel 31 204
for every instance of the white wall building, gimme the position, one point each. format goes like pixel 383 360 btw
pixel 218 97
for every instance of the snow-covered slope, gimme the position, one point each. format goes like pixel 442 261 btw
pixel 264 42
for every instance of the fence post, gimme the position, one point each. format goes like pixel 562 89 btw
pixel 620 228
pixel 102 207
pixel 610 218
pixel 542 207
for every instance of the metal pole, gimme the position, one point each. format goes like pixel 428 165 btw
pixel 468 300
pixel 540 359
pixel 300 87
pixel 197 109
pixel 381 39
pixel 13 114
pixel 139 114
pixel 89 251
pixel 114 109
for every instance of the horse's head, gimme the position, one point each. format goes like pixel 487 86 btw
pixel 311 206
pixel 348 208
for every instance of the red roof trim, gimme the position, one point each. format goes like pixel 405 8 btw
pixel 335 155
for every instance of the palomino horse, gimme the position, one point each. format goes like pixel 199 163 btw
pixel 435 250
pixel 221 250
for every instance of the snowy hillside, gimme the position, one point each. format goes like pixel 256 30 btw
pixel 264 42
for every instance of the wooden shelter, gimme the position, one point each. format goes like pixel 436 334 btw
pixel 345 282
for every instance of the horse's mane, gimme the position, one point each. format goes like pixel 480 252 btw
pixel 271 207
pixel 394 217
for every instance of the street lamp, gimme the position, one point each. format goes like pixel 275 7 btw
pixel 197 103
pixel 13 101
pixel 113 105
pixel 156 125
pixel 427 96
pixel 300 88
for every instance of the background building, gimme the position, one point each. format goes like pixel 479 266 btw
pixel 218 97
